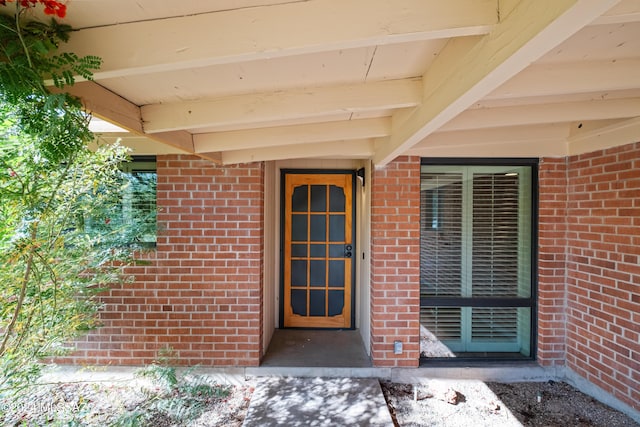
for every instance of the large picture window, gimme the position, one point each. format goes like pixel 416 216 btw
pixel 476 282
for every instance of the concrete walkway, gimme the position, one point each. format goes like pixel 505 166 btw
pixel 318 402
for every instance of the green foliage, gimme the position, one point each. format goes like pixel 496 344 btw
pixel 28 57
pixel 52 265
pixel 29 54
pixel 176 399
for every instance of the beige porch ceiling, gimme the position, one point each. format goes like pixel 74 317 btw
pixel 248 80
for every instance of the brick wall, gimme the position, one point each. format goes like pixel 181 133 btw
pixel 201 294
pixel 552 258
pixel 603 270
pixel 395 262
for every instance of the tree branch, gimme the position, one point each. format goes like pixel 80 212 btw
pixel 23 293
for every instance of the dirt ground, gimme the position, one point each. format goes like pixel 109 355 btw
pixel 436 403
pixel 127 403
pixel 474 403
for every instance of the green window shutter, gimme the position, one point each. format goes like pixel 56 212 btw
pixel 495 235
pixel 441 254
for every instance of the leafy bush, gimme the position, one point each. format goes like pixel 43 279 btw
pixel 50 268
pixel 51 265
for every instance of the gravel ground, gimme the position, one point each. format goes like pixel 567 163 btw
pixel 448 403
pixel 463 403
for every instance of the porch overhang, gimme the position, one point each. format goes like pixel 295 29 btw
pixel 254 80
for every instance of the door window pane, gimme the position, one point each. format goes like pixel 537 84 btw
pixel 298 250
pixel 336 273
pixel 336 302
pixel 318 228
pixel 317 273
pixel 298 273
pixel 318 251
pixel 336 251
pixel 299 301
pixel 336 199
pixel 317 303
pixel 299 228
pixel 336 228
pixel 318 198
pixel 299 199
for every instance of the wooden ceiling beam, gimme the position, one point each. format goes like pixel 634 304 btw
pixel 623 13
pixel 520 134
pixel 107 105
pixel 139 145
pixel 467 70
pixel 262 108
pixel 276 31
pixel 481 118
pixel 112 108
pixel 590 138
pixel 546 148
pixel 568 78
pixel 289 135
pixel 512 141
pixel 356 149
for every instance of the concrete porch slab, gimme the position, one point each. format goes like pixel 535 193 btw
pixel 316 348
pixel 318 402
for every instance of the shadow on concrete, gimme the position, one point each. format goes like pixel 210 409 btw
pixel 318 402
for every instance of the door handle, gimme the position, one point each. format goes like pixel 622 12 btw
pixel 347 251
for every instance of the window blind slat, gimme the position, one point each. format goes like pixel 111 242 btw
pixel 441 236
pixel 443 322
pixel 495 235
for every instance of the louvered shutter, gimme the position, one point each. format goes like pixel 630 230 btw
pixel 494 254
pixel 441 254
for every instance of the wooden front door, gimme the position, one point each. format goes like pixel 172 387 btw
pixel 318 250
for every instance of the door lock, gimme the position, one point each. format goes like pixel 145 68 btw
pixel 347 251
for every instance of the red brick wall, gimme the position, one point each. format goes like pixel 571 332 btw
pixel 552 258
pixel 201 294
pixel 395 262
pixel 603 270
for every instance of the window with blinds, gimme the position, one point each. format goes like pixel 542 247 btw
pixel 131 219
pixel 139 200
pixel 476 255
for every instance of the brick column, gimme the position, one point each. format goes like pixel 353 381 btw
pixel 552 261
pixel 395 263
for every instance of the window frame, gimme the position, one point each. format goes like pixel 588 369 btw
pixel 140 164
pixel 530 302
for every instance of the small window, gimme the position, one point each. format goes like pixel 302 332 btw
pixel 131 218
pixel 139 201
